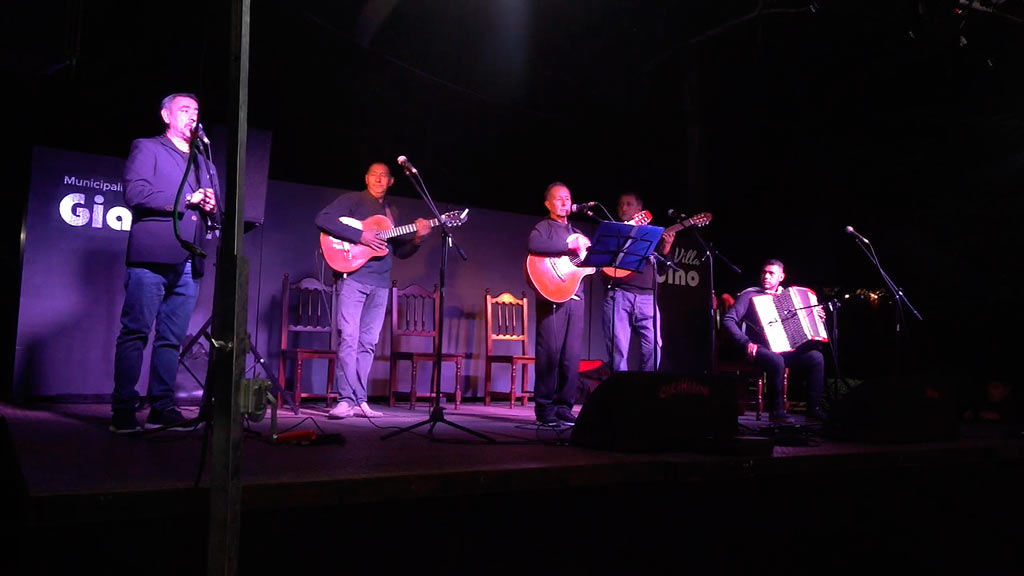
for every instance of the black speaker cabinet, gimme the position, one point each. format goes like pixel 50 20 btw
pixel 657 412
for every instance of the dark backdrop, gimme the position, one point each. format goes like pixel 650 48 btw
pixel 901 119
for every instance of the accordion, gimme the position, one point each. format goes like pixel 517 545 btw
pixel 790 318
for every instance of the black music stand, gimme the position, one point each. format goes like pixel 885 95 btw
pixel 626 247
pixel 622 246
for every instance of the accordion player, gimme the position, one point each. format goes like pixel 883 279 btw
pixel 790 318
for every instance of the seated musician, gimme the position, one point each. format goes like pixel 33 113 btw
pixel 806 361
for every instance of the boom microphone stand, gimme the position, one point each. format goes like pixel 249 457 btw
pixel 710 252
pixel 436 411
pixel 897 292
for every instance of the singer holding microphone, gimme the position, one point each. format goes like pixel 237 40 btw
pixel 630 308
pixel 559 324
pixel 162 276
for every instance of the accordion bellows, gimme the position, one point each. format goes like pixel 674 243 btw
pixel 790 318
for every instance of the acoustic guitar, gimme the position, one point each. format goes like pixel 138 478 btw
pixel 557 277
pixel 643 218
pixel 347 257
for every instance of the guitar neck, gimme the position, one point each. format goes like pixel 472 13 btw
pixel 675 228
pixel 401 230
pixel 680 225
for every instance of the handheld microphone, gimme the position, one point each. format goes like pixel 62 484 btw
pixel 852 232
pixel 201 134
pixel 676 214
pixel 584 207
pixel 404 163
pixel 295 437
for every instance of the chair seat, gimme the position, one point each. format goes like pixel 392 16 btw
pixel 511 358
pixel 428 356
pixel 311 353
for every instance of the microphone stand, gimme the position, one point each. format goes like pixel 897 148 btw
pixel 200 153
pixel 897 292
pixel 194 155
pixel 437 411
pixel 710 252
pixel 665 263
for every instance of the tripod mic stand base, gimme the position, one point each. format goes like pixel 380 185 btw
pixel 437 416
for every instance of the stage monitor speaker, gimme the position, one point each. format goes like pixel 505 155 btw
pixel 657 412
pixel 887 411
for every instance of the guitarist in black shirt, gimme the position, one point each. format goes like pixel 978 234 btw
pixel 559 324
pixel 362 294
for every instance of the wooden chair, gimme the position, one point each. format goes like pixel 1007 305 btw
pixel 508 320
pixel 414 315
pixel 309 331
pixel 729 360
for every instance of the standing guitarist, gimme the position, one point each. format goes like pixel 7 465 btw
pixel 559 324
pixel 629 303
pixel 362 296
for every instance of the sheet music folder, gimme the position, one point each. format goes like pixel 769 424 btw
pixel 622 246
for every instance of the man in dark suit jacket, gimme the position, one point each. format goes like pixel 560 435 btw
pixel 164 262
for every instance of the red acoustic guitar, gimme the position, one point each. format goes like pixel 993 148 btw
pixel 557 277
pixel 348 257
pixel 643 218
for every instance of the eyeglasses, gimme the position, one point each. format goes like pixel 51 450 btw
pixel 374 175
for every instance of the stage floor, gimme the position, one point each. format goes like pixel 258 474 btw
pixel 68 475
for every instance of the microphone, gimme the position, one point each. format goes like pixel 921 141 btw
pixel 404 163
pixel 295 437
pixel 585 207
pixel 676 214
pixel 852 232
pixel 199 133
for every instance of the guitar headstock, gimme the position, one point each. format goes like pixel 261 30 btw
pixel 642 218
pixel 699 219
pixel 455 217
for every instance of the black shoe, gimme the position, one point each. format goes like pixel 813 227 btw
pixel 170 418
pixel 817 416
pixel 565 415
pixel 780 418
pixel 548 418
pixel 124 422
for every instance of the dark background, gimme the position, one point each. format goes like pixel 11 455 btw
pixel 786 120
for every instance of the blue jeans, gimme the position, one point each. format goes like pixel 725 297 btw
pixel 167 295
pixel 628 313
pixel 360 309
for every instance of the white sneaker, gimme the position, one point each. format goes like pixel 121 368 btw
pixel 366 412
pixel 342 410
